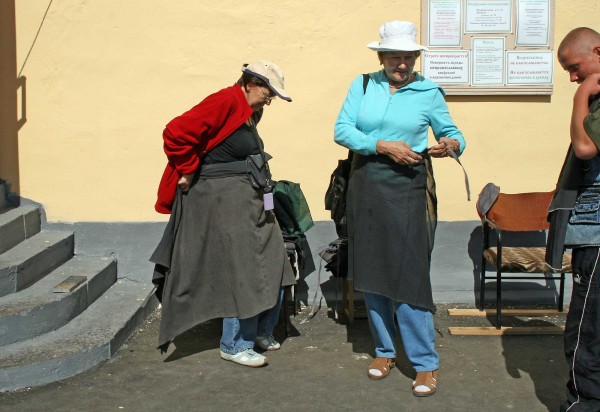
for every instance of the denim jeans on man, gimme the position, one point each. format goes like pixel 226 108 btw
pixel 416 329
pixel 239 334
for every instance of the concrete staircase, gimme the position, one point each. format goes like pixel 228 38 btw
pixel 60 313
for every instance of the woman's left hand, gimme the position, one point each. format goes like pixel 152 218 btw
pixel 184 182
pixel 441 149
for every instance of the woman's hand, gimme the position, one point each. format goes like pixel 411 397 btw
pixel 441 149
pixel 399 152
pixel 184 182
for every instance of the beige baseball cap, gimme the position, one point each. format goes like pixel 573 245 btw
pixel 271 74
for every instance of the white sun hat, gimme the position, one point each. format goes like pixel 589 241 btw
pixel 269 73
pixel 397 36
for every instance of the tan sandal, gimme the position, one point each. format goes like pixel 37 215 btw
pixel 380 368
pixel 425 384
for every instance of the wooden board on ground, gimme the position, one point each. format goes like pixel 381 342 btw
pixel 505 330
pixel 507 312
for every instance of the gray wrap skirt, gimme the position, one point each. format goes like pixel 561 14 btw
pixel 227 257
pixel 391 214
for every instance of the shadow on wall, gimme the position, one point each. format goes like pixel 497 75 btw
pixel 11 120
pixel 514 293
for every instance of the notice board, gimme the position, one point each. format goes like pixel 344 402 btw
pixel 489 47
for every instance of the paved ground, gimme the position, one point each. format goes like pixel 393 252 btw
pixel 321 367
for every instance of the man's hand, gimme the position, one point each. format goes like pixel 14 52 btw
pixel 583 146
pixel 590 86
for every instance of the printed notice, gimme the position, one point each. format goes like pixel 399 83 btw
pixel 488 16
pixel 447 67
pixel 445 23
pixel 533 22
pixel 529 67
pixel 488 61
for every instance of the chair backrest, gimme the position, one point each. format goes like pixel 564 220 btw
pixel 521 212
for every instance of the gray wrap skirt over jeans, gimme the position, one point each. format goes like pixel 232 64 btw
pixel 222 256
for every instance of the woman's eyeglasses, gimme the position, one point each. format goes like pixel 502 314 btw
pixel 267 96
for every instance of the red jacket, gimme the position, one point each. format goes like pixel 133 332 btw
pixel 189 137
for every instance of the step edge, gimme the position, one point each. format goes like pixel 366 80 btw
pixel 48 371
pixel 52 314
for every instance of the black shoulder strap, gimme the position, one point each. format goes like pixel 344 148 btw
pixel 262 153
pixel 365 82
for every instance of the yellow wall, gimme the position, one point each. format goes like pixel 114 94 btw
pixel 105 76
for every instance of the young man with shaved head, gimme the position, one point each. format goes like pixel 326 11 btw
pixel 575 220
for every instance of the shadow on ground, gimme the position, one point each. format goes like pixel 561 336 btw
pixel 322 366
pixel 514 292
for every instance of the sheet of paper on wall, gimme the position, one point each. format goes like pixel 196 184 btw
pixel 445 23
pixel 533 23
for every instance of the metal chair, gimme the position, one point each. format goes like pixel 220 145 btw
pixel 526 214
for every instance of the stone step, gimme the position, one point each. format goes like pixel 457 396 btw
pixel 18 224
pixel 90 338
pixel 39 309
pixel 32 259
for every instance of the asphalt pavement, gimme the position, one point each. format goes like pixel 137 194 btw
pixel 322 366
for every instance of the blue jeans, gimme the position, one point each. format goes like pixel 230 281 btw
pixel 239 334
pixel 416 329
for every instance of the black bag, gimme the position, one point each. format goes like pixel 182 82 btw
pixel 258 171
pixel 335 256
pixel 257 165
pixel 335 196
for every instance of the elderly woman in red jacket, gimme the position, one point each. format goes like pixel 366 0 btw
pixel 222 254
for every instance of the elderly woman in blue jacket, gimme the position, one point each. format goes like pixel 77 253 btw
pixel 391 205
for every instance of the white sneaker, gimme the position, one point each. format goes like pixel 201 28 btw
pixel 267 343
pixel 246 358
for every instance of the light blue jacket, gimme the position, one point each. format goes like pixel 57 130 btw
pixel 405 115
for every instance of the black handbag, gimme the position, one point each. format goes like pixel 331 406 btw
pixel 335 196
pixel 336 258
pixel 258 170
pixel 259 173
